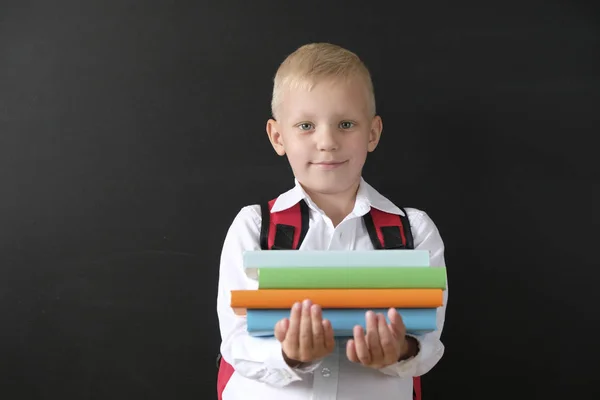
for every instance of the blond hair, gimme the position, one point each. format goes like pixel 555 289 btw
pixel 315 62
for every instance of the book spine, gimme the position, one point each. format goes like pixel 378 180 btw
pixel 335 258
pixel 352 278
pixel 416 321
pixel 337 298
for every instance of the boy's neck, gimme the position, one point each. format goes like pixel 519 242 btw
pixel 336 206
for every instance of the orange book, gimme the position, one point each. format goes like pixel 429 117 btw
pixel 336 298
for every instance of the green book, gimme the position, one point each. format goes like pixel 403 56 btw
pixel 352 278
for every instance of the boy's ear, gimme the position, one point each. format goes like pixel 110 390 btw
pixel 375 132
pixel 275 136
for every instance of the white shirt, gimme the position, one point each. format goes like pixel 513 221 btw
pixel 261 373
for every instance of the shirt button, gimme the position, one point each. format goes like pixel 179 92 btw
pixel 326 372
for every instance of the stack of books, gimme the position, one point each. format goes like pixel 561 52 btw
pixel 346 284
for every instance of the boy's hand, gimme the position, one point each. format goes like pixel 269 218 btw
pixel 306 336
pixel 385 344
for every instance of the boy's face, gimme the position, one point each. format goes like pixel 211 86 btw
pixel 326 134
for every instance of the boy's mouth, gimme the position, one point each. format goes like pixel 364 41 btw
pixel 328 164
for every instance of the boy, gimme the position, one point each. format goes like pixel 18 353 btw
pixel 324 121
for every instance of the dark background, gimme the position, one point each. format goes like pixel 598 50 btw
pixel 131 133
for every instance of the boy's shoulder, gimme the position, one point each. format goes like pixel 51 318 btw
pixel 250 213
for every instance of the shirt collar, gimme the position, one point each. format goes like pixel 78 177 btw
pixel 366 198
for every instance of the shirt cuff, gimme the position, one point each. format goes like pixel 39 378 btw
pixel 288 374
pixel 405 368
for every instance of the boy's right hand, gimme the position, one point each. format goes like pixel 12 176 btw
pixel 305 336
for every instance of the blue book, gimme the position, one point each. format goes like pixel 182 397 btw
pixel 335 258
pixel 261 322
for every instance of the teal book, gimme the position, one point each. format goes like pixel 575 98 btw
pixel 335 258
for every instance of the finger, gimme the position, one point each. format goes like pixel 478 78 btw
pixel 351 351
pixel 281 328
pixel 360 344
pixel 389 344
pixel 328 334
pixel 292 335
pixel 306 344
pixel 396 323
pixel 373 337
pixel 318 333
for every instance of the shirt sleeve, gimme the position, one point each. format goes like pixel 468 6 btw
pixel 426 237
pixel 258 358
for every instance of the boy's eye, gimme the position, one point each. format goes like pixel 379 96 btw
pixel 346 124
pixel 305 126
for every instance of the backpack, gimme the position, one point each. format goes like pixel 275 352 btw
pixel 286 229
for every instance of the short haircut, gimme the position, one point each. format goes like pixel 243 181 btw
pixel 315 62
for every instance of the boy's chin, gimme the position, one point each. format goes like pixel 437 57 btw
pixel 330 186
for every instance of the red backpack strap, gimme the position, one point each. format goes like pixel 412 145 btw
pixel 391 231
pixel 282 230
pixel 223 376
pixel 285 229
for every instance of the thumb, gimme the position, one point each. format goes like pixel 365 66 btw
pixel 281 328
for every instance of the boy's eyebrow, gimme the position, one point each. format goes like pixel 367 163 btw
pixel 302 116
pixel 300 119
pixel 310 117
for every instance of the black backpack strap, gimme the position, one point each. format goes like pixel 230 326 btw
pixel 305 221
pixel 410 244
pixel 370 225
pixel 264 227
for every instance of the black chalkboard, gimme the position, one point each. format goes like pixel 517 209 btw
pixel 131 133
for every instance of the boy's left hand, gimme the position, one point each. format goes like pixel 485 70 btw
pixel 384 344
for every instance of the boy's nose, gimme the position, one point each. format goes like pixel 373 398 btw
pixel 326 139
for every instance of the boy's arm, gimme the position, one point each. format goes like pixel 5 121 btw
pixel 252 357
pixel 430 348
